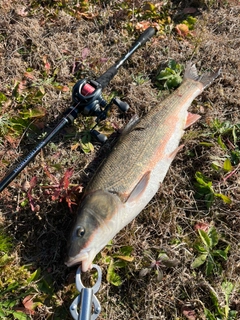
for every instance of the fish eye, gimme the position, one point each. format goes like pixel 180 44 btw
pixel 80 231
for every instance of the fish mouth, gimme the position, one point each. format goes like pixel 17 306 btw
pixel 84 258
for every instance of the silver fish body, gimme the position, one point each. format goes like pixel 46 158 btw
pixel 131 175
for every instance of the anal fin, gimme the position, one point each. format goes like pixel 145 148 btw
pixel 191 119
pixel 174 153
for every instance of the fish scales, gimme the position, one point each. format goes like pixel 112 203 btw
pixel 135 152
pixel 131 174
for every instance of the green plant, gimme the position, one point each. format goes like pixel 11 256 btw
pixel 221 312
pixel 205 190
pixel 158 265
pixel 140 79
pixel 228 138
pixel 145 14
pixel 16 283
pixel 5 243
pixel 170 77
pixel 60 189
pixel 186 26
pixel 115 262
pixel 207 247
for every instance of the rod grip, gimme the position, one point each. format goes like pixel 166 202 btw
pixel 105 78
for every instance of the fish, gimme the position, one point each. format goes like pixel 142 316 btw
pixel 132 173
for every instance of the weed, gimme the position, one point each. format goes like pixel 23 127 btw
pixel 228 138
pixel 115 262
pixel 14 279
pixel 184 28
pixel 157 266
pixel 140 79
pixel 145 15
pixel 221 312
pixel 62 189
pixel 4 124
pixel 170 77
pixel 207 247
pixel 5 243
pixel 205 190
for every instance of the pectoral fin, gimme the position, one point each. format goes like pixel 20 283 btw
pixel 130 125
pixel 139 189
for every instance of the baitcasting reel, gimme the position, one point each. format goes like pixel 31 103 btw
pixel 88 97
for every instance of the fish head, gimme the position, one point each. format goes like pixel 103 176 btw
pixel 94 227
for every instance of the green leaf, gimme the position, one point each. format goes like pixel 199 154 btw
pixel 209 315
pixel 220 253
pixel 120 264
pixel 216 304
pixel 205 239
pixel 202 180
pixel 126 250
pixel 227 288
pixel 46 286
pixel 225 199
pixel 112 276
pixel 172 64
pixel 235 136
pixel 86 145
pixel 206 144
pixel 199 261
pixel 213 236
pixel 235 157
pixel 209 199
pixel 221 143
pixel 20 316
pixel 32 113
pixel 34 276
pixel 3 98
pixel 173 82
pixel 209 266
pixel 227 166
pixel 200 248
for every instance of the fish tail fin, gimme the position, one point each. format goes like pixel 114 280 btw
pixel 206 79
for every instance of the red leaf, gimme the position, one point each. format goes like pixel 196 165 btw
pixel 28 302
pixel 182 29
pixel 28 306
pixel 189 313
pixel 47 66
pixel 33 182
pixel 65 180
pixel 202 226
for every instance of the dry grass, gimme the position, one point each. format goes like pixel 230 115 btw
pixel 48 41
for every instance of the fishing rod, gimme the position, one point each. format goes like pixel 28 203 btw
pixel 87 100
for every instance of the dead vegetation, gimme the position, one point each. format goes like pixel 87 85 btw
pixel 45 48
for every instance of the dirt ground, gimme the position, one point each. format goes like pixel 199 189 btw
pixel 45 48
